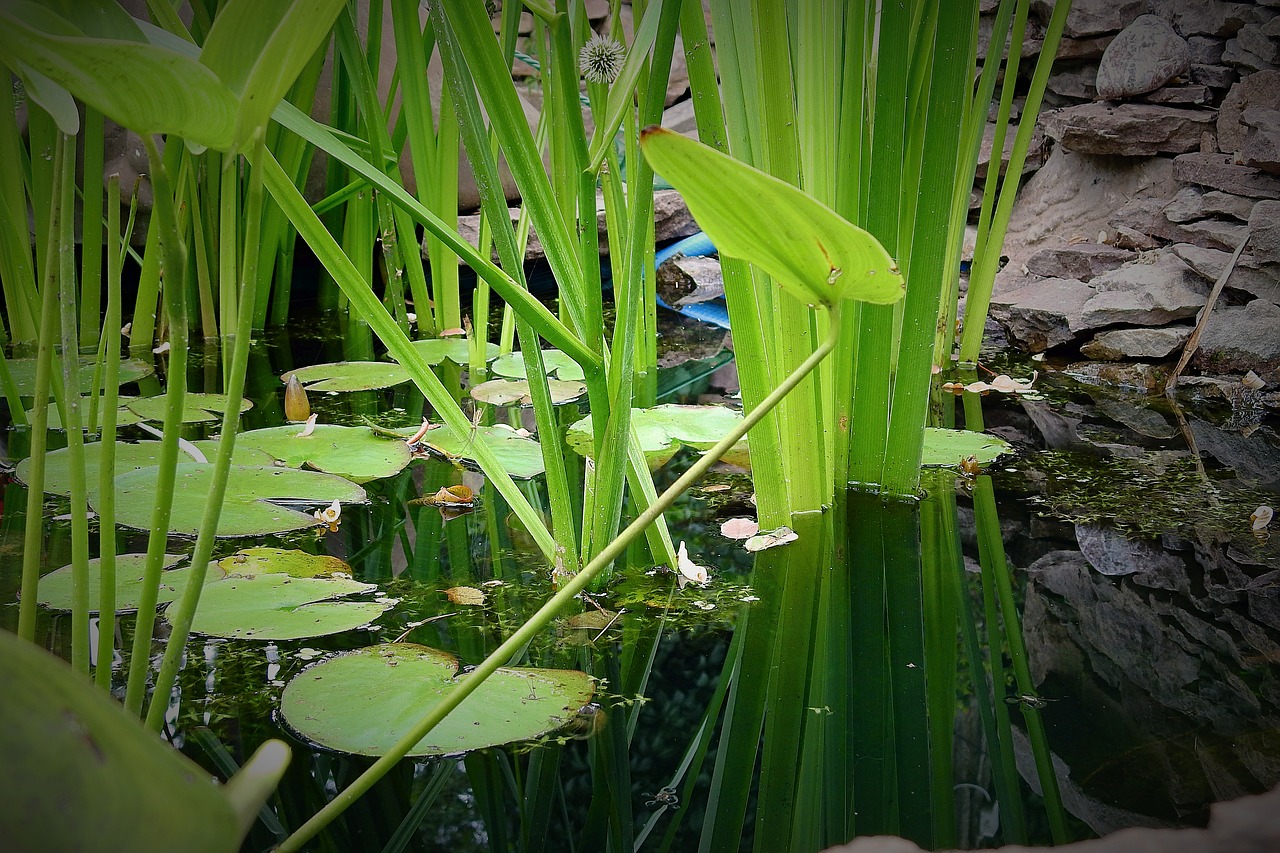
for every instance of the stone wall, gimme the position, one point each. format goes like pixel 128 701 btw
pixel 1163 126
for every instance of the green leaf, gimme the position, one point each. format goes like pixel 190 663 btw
pixel 23 371
pixel 146 88
pixel 663 429
pixel 247 510
pixel 259 47
pixel 280 606
pixel 362 702
pixel 943 447
pixel 123 415
pixel 457 350
pixel 813 252
pixel 349 376
pixel 84 774
pixel 130 456
pixel 503 392
pixel 196 408
pixel 520 456
pixel 292 562
pixel 557 364
pixel 348 451
pixel 55 587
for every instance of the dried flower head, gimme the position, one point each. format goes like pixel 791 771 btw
pixel 601 59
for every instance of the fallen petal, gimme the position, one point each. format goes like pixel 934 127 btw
pixel 771 539
pixel 739 528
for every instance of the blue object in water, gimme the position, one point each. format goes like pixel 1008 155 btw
pixel 699 245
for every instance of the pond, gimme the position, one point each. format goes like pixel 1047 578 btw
pixel 1079 637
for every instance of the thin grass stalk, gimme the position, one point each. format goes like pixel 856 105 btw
pixel 106 503
pixel 165 219
pixel 930 265
pixel 17 273
pixel 91 227
pixel 872 381
pixel 63 226
pixel 535 624
pixel 42 136
pixel 229 248
pixel 982 277
pixel 146 303
pixel 185 611
pixel 780 811
pixel 32 543
pixel 194 215
pixel 991 547
pixel 940 559
pixel 494 204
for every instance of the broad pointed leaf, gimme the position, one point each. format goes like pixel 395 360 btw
pixel 348 451
pixel 55 587
pixel 349 375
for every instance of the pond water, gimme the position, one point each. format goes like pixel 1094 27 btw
pixel 1083 637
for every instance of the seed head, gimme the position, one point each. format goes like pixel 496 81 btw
pixel 601 59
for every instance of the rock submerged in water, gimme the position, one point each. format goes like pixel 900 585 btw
pixel 1146 55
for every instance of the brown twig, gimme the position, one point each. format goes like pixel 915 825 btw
pixel 1189 348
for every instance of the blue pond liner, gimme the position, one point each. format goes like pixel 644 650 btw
pixel 712 311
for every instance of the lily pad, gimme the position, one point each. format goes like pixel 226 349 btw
pixel 349 376
pixel 196 408
pixel 290 600
pixel 130 456
pixel 503 392
pixel 457 350
pixel 289 561
pixel 555 362
pixel 521 456
pixel 362 702
pixel 664 429
pixel 248 509
pixel 124 415
pixel 944 447
pixel 55 587
pixel 23 371
pixel 348 451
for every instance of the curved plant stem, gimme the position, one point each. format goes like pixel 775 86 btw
pixel 547 612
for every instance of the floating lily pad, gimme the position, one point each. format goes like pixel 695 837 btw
pixel 949 446
pixel 663 429
pixel 457 350
pixel 291 600
pixel 362 702
pixel 196 408
pixel 23 371
pixel 289 561
pixel 349 376
pixel 503 392
pixel 55 587
pixel 248 509
pixel 348 451
pixel 521 456
pixel 130 456
pixel 555 363
pixel 123 414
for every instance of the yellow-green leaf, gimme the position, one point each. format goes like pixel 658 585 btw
pixel 812 251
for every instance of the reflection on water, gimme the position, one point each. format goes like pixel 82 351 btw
pixel 1095 616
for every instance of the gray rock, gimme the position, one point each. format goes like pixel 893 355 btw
pixel 684 281
pixel 1081 261
pixel 1214 75
pixel 1112 553
pixel 1215 233
pixel 1130 130
pixel 1220 172
pixel 1205 50
pixel 1140 418
pixel 1146 55
pixel 1249 275
pixel 1257 90
pixel 1251 458
pixel 1120 344
pixel 1251 38
pixel 1241 338
pixel 1212 18
pixel 1093 17
pixel 1075 82
pixel 1186 206
pixel 1264 225
pixel 1055 207
pixel 1043 314
pixel 1261 147
pixel 1246 61
pixel 1084 48
pixel 1145 293
pixel 1174 95
pixel 1033 160
pixel 1217 203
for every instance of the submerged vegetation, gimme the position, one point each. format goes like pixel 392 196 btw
pixel 837 196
